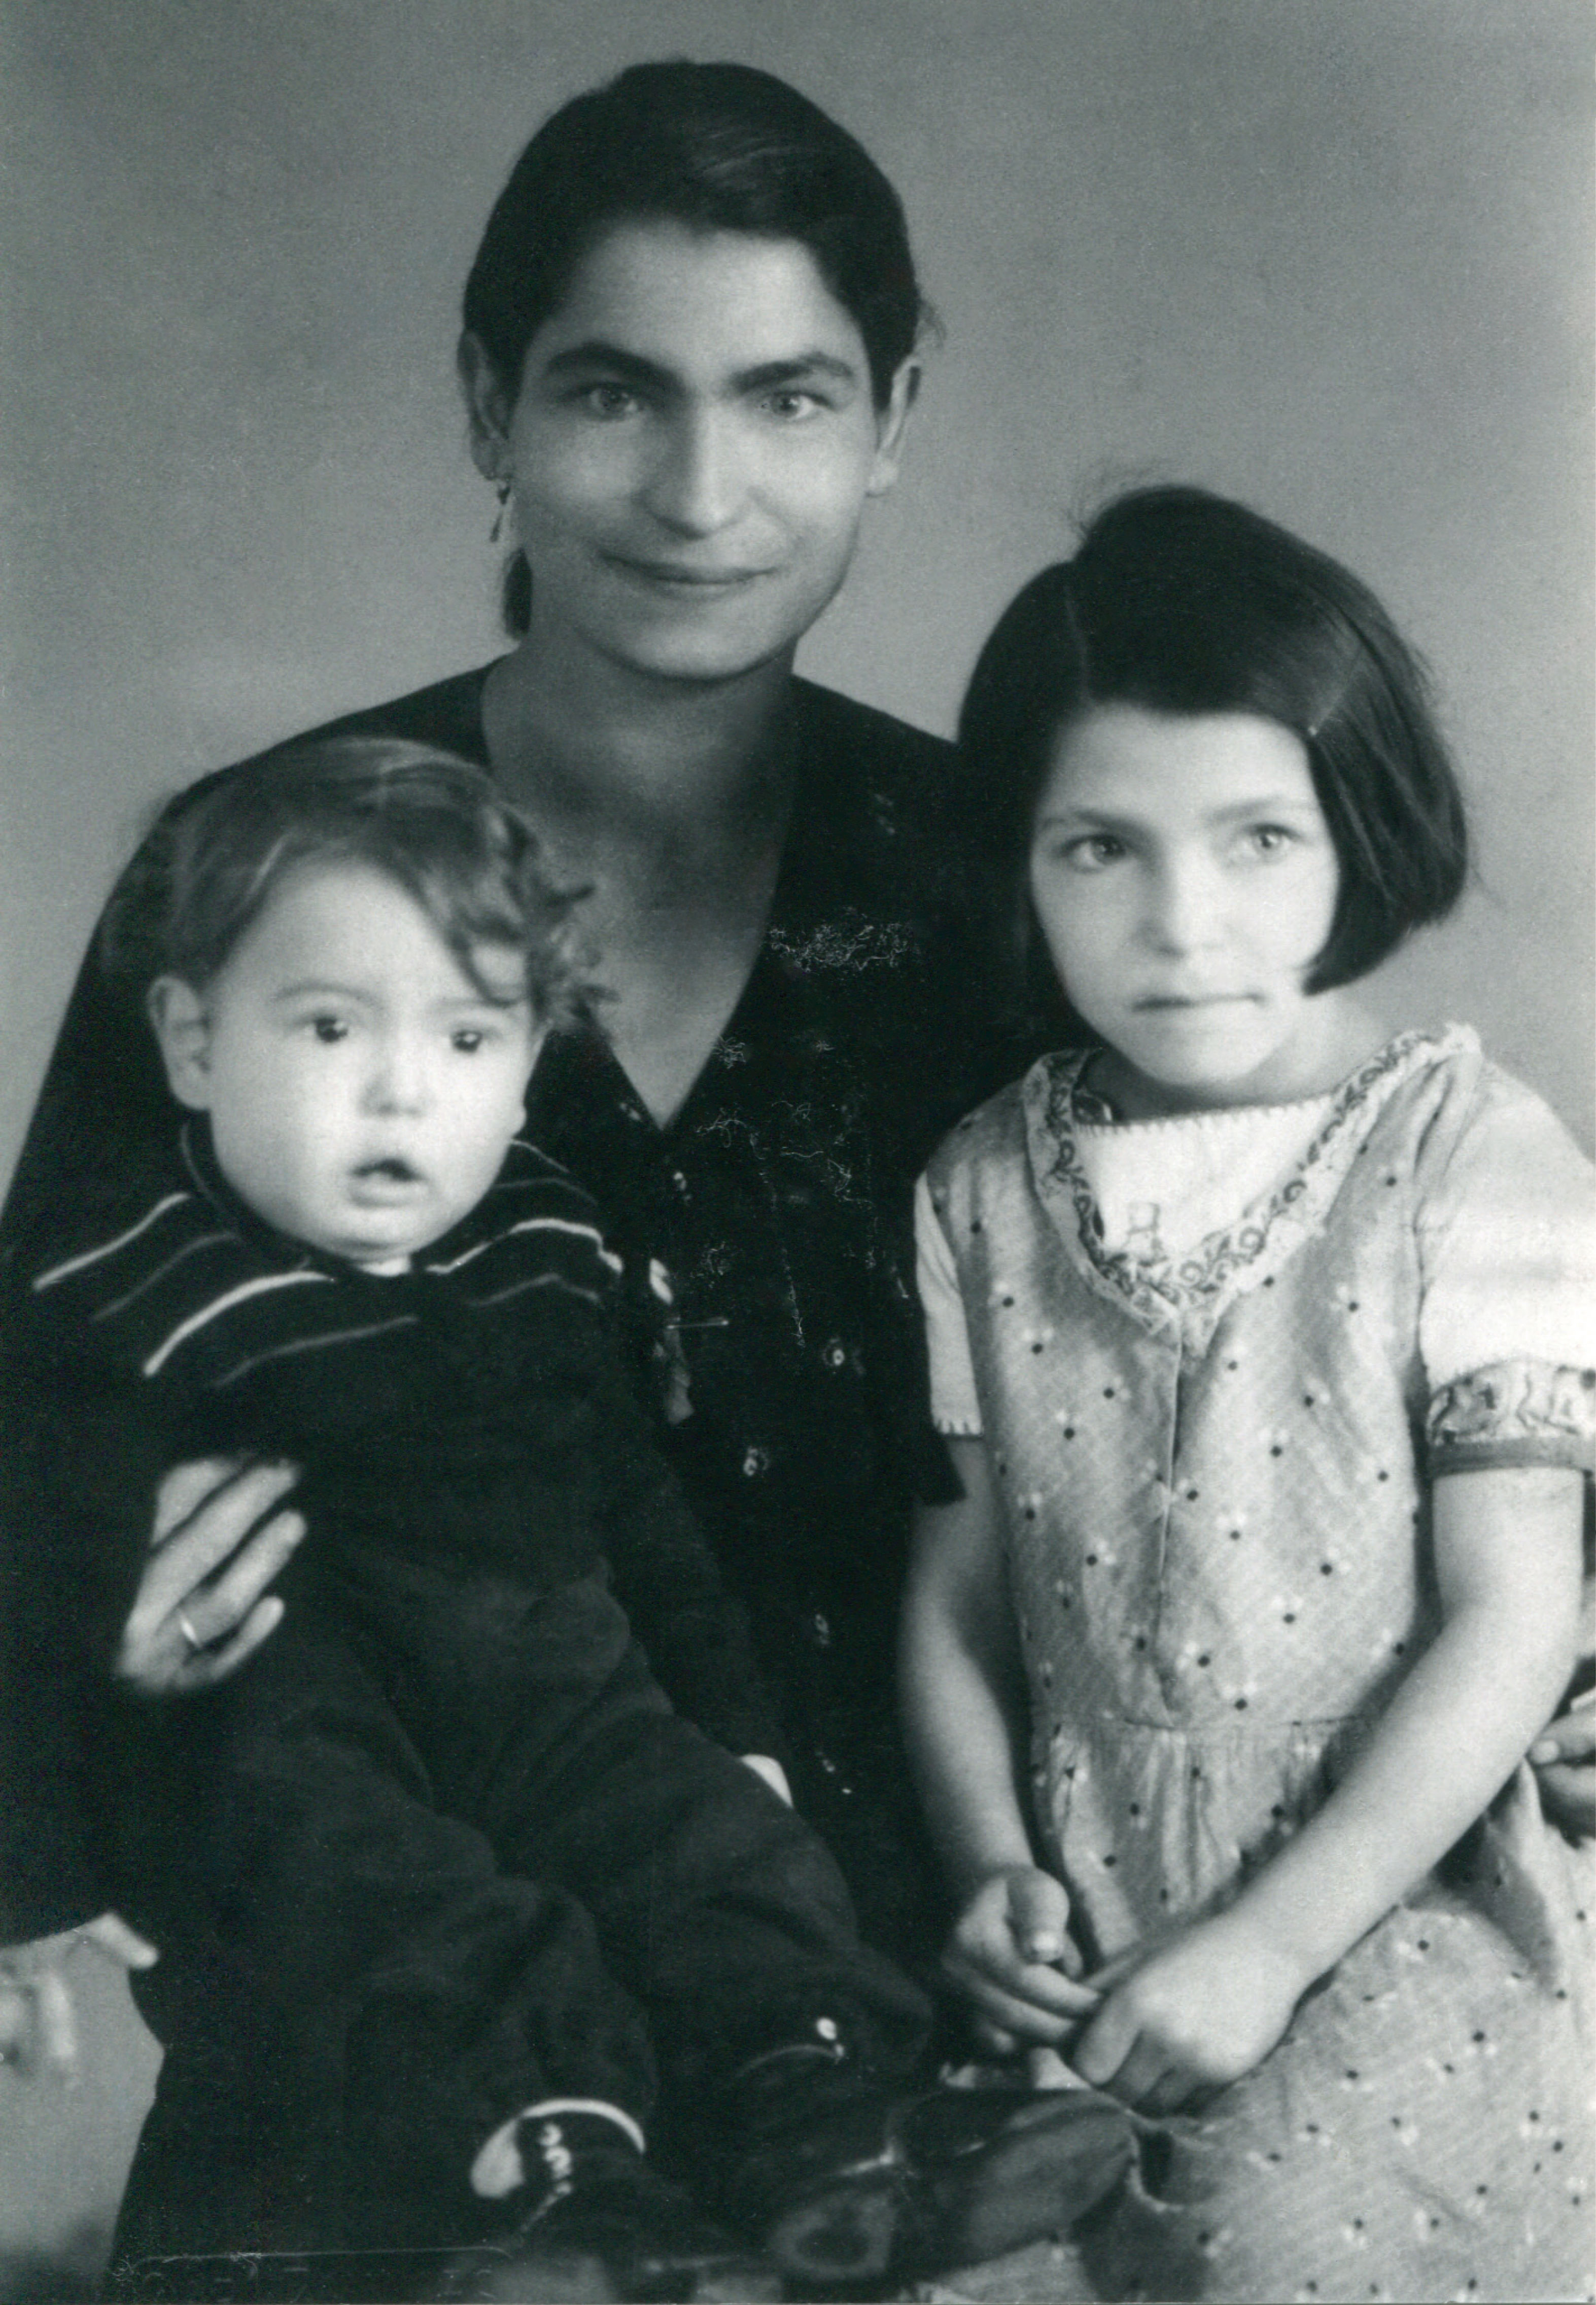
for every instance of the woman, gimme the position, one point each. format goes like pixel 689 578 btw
pixel 688 362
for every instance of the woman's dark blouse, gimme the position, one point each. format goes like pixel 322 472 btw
pixel 785 1363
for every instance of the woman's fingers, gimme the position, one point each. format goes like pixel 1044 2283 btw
pixel 184 1489
pixel 1565 1762
pixel 55 2025
pixel 207 1666
pixel 112 1936
pixel 219 1544
pixel 222 1608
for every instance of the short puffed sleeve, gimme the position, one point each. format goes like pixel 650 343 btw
pixel 1507 1326
pixel 954 1409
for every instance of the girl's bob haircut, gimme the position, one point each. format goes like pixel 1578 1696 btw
pixel 428 821
pixel 713 146
pixel 1179 601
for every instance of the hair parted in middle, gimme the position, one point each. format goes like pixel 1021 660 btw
pixel 1184 602
pixel 713 146
pixel 430 821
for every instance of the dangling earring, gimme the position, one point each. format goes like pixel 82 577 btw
pixel 501 489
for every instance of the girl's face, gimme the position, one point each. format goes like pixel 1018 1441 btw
pixel 1185 882
pixel 690 449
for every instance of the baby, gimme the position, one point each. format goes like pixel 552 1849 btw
pixel 451 1903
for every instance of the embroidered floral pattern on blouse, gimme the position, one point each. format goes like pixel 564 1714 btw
pixel 1194 1289
pixel 1515 1412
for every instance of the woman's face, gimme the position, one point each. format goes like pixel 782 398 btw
pixel 690 449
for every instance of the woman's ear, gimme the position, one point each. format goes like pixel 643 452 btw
pixel 489 407
pixel 182 1025
pixel 890 427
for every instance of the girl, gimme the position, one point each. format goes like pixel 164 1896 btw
pixel 1265 1344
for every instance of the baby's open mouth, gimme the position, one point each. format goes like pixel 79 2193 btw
pixel 389 1170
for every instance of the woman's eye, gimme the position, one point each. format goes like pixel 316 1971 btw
pixel 607 401
pixel 793 406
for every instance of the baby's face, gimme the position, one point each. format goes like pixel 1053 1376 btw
pixel 362 1093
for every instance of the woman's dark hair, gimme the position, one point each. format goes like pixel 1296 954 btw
pixel 717 148
pixel 1183 602
pixel 426 820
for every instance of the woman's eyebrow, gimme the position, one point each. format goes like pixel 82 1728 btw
pixel 769 376
pixel 595 353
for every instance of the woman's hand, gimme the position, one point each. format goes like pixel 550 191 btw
pixel 38 2030
pixel 765 1764
pixel 202 1606
pixel 1190 2014
pixel 1010 1955
pixel 1564 1759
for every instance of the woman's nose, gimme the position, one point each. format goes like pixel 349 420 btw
pixel 696 483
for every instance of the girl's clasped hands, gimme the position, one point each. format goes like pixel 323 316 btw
pixel 1155 2028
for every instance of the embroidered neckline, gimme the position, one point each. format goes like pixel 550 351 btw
pixel 1194 1288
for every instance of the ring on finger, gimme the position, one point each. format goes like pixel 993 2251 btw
pixel 192 1640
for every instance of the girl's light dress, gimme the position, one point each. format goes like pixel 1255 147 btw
pixel 1213 1442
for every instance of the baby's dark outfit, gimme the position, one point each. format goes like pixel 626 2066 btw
pixel 442 1849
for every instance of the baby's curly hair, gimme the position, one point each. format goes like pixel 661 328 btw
pixel 429 821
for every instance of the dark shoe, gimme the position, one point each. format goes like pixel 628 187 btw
pixel 912 2184
pixel 601 2227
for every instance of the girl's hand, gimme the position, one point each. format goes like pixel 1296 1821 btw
pixel 1564 1759
pixel 39 2031
pixel 1190 2014
pixel 202 1606
pixel 1012 1956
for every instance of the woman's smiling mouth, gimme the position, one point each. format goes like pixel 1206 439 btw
pixel 669 575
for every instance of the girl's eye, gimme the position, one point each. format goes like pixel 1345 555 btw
pixel 329 1029
pixel 1268 839
pixel 1091 851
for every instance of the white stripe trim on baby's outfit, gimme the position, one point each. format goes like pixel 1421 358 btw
pixel 208 1312
pixel 499 2168
pixel 315 1345
pixel 532 1224
pixel 539 1280
pixel 141 1287
pixel 109 1247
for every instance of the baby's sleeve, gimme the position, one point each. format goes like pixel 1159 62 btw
pixel 954 1408
pixel 1507 1325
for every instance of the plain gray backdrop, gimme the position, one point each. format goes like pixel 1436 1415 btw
pixel 1333 256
